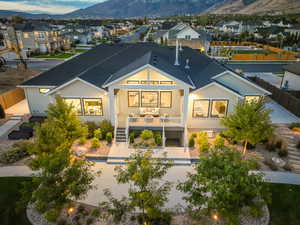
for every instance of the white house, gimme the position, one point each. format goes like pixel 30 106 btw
pixel 144 85
pixel 291 78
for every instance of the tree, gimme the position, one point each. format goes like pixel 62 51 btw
pixel 62 176
pixel 250 123
pixel 222 185
pixel 147 193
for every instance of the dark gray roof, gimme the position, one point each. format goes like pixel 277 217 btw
pixel 106 63
pixel 33 26
pixel 293 68
pixel 158 34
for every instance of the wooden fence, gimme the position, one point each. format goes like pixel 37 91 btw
pixel 11 97
pixel 284 98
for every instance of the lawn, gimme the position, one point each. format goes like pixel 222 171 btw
pixel 58 56
pixel 9 195
pixel 285 206
pixel 254 51
pixel 80 50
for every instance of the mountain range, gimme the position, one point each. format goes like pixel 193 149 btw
pixel 162 8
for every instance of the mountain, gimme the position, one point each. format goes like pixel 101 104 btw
pixel 256 7
pixel 142 8
pixel 7 14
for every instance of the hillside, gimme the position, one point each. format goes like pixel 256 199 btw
pixel 257 7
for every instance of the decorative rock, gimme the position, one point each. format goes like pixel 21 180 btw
pixel 35 217
pixel 278 161
pixel 247 219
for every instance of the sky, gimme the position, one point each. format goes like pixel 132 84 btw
pixel 46 6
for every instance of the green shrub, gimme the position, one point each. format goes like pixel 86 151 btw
pixel 27 124
pixel 294 125
pixel 109 137
pixel 202 141
pixel 219 142
pixel 52 215
pixel 146 135
pixel 95 213
pixel 131 137
pixel 90 221
pixel 271 144
pixel 92 126
pixel 194 135
pixel 95 143
pixel 271 164
pixel 158 139
pixel 18 151
pixel 106 127
pixel 2 112
pixel 41 207
pixel 82 140
pixel 192 142
pixel 298 145
pixel 98 133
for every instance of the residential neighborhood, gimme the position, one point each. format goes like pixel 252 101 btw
pixel 192 118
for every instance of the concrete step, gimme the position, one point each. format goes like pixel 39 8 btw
pixel 181 162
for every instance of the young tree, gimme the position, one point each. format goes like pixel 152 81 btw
pixel 250 122
pixel 222 184
pixel 147 193
pixel 62 176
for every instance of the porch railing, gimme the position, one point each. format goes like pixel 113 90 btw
pixel 155 121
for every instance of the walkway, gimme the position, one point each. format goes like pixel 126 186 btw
pixel 280 115
pixel 9 125
pixel 293 152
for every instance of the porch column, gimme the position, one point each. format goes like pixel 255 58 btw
pixel 185 109
pixel 111 97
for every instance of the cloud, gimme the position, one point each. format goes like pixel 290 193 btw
pixel 46 6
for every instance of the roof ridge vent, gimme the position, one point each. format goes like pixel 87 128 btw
pixel 187 64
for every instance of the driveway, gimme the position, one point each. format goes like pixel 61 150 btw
pixel 268 77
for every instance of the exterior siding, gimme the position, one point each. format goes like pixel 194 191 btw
pixel 212 92
pixel 37 102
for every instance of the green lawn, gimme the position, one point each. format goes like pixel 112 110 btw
pixel 78 50
pixel 262 51
pixel 9 195
pixel 58 56
pixel 285 206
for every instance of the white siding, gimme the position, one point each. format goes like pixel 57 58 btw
pixel 188 31
pixel 293 81
pixel 211 92
pixel 37 102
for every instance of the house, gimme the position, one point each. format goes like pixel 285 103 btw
pixel 197 39
pixel 291 78
pixel 294 30
pixel 144 85
pixel 34 37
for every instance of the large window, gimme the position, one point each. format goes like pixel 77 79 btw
pixel 250 99
pixel 149 99
pixel 200 108
pixel 219 108
pixel 133 82
pixel 166 99
pixel 76 104
pixel 93 106
pixel 133 98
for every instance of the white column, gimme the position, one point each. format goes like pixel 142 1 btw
pixel 111 96
pixel 185 106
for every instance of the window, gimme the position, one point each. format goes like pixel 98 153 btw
pixel 152 82
pixel 166 82
pixel 166 99
pixel 250 99
pixel 76 104
pixel 188 37
pixel 93 106
pixel 133 99
pixel 149 99
pixel 44 90
pixel 133 82
pixel 200 108
pixel 26 35
pixel 219 108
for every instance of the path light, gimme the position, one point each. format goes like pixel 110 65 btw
pixel 215 217
pixel 70 210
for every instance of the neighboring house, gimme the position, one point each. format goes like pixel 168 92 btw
pixel 197 39
pixel 34 37
pixel 294 30
pixel 144 86
pixel 291 78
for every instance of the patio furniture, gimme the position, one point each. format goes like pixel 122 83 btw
pixel 149 111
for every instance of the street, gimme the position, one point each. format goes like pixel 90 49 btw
pixel 257 67
pixel 134 36
pixel 38 64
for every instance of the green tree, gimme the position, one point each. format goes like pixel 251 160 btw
pixel 250 123
pixel 62 176
pixel 147 193
pixel 231 186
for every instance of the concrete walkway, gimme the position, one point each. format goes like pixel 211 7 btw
pixel 15 171
pixel 9 126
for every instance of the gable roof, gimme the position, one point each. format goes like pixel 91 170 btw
pixel 293 68
pixel 106 63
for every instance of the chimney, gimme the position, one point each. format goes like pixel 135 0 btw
pixel 187 64
pixel 176 55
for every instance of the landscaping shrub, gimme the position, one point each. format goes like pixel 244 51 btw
pixel 27 125
pixel 283 151
pixel 146 135
pixel 106 127
pixel 296 129
pixel 98 133
pixel 298 145
pixel 95 213
pixel 194 135
pixel 271 144
pixel 82 140
pixel 92 126
pixel 219 142
pixel 95 142
pixel 2 112
pixel 191 142
pixel 294 125
pixel 18 151
pixel 90 221
pixel 202 141
pixel 270 164
pixel 250 146
pixel 158 139
pixel 278 143
pixel 109 137
pixel 52 215
pixel 131 137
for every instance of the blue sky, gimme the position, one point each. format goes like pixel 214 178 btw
pixel 46 6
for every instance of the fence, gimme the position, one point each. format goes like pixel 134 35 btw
pixel 11 97
pixel 284 98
